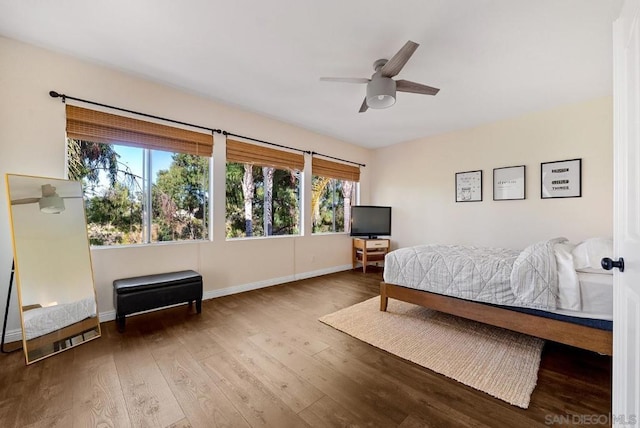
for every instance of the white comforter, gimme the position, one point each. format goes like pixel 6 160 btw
pixel 500 276
pixel 41 321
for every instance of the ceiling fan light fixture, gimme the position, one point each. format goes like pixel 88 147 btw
pixel 51 204
pixel 381 92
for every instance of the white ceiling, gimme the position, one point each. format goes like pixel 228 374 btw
pixel 492 59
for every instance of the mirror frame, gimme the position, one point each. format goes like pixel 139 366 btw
pixel 82 325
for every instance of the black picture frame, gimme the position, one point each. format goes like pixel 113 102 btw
pixel 561 179
pixel 509 183
pixel 469 186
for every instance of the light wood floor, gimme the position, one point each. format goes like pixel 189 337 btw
pixel 261 358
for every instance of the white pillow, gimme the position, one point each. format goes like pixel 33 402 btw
pixel 569 296
pixel 588 254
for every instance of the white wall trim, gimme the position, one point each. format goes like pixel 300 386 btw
pixel 235 289
pixel 16 335
pixel 327 271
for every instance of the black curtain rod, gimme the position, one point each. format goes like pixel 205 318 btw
pixel 265 142
pixel 338 159
pixel 64 97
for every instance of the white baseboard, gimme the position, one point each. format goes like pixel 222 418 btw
pixel 16 335
pixel 235 289
pixel 108 315
pixel 221 292
pixel 327 271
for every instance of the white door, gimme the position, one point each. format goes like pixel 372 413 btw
pixel 626 285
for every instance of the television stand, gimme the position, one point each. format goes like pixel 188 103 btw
pixel 369 250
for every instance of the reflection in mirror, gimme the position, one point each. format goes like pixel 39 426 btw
pixel 53 264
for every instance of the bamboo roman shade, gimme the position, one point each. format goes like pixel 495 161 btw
pixel 340 171
pixel 240 152
pixel 101 127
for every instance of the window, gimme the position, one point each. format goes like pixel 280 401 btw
pixel 329 199
pixel 140 185
pixel 333 191
pixel 112 180
pixel 263 191
pixel 179 195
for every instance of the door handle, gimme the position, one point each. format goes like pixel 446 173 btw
pixel 608 264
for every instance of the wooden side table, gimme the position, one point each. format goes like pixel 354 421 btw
pixel 367 251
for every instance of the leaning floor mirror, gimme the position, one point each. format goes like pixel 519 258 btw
pixel 53 265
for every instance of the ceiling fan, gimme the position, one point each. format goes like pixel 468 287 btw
pixel 381 88
pixel 50 202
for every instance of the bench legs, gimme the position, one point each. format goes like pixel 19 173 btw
pixel 121 320
pixel 198 305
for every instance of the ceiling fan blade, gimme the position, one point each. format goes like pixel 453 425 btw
pixel 364 107
pixel 416 88
pixel 395 64
pixel 25 201
pixel 345 79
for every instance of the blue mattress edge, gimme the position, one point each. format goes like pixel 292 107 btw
pixel 589 322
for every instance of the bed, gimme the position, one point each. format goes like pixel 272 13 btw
pixel 52 328
pixel 40 321
pixel 552 289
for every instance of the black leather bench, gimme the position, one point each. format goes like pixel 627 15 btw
pixel 142 293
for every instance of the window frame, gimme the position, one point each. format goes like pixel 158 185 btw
pixel 260 155
pixel 147 200
pixel 354 201
pixel 98 126
pixel 299 200
pixel 343 171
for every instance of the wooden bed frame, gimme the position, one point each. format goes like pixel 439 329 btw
pixel 577 335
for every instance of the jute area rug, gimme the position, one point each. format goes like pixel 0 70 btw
pixel 499 362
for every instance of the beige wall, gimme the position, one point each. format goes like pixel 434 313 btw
pixel 417 179
pixel 32 136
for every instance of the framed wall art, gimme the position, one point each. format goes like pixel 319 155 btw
pixel 469 186
pixel 561 179
pixel 509 183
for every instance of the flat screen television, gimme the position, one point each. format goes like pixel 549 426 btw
pixel 370 221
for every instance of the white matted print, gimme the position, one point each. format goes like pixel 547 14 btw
pixel 469 186
pixel 561 179
pixel 509 183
